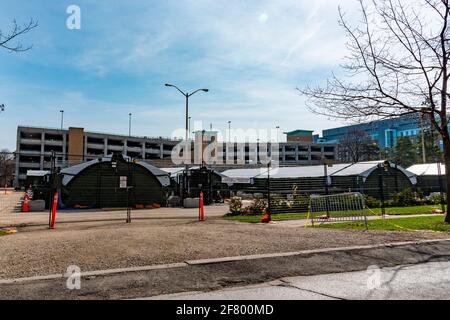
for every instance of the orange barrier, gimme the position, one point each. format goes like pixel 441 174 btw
pixel 26 207
pixel 201 208
pixel 55 205
pixel 266 218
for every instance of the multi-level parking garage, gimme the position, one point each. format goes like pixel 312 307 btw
pixel 36 145
pixel 74 145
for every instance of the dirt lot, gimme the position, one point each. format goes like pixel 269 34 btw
pixel 157 237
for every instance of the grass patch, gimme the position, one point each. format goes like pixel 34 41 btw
pixel 275 217
pixel 434 223
pixel 2 233
pixel 427 209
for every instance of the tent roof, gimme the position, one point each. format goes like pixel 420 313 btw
pixel 241 175
pixel 174 171
pixel 363 169
pixel 427 169
pixel 37 173
pixel 70 172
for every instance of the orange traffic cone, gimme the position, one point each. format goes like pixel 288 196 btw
pixel 26 207
pixel 266 218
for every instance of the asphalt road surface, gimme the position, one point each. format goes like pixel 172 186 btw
pixel 309 275
pixel 422 281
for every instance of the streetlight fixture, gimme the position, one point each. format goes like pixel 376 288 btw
pixel 186 95
pixel 62 118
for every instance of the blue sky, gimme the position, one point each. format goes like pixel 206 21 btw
pixel 250 54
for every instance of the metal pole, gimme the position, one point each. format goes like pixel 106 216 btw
pixel 187 116
pixel 189 127
pixel 188 145
pixel 62 118
pixel 381 188
pixel 423 140
pixel 203 137
pixel 229 131
pixel 129 124
pixel 269 205
pixel 52 187
pixel 325 169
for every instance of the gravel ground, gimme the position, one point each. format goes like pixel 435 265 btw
pixel 35 250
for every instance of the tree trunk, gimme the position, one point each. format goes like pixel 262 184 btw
pixel 447 173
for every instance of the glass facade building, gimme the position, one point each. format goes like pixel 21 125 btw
pixel 384 132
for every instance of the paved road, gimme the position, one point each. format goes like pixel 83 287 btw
pixel 421 281
pixel 308 275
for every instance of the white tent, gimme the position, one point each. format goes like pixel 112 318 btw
pixel 362 169
pixel 427 169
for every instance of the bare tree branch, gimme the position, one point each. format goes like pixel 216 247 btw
pixel 7 39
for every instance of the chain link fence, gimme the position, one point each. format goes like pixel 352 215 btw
pixel 382 189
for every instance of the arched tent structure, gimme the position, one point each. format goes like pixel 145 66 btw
pixel 430 177
pixel 361 177
pixel 203 179
pixel 103 183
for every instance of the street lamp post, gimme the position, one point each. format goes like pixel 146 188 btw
pixel 424 157
pixel 129 124
pixel 424 111
pixel 186 95
pixel 229 131
pixel 62 118
pixel 189 127
pixel 278 137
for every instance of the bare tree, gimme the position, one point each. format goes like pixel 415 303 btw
pixel 353 145
pixel 398 57
pixel 6 166
pixel 9 40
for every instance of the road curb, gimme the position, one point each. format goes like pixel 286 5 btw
pixel 97 272
pixel 312 251
pixel 220 260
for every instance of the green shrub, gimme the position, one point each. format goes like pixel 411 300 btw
pixel 258 206
pixel 372 202
pixel 236 206
pixel 435 199
pixel 301 202
pixel 406 197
